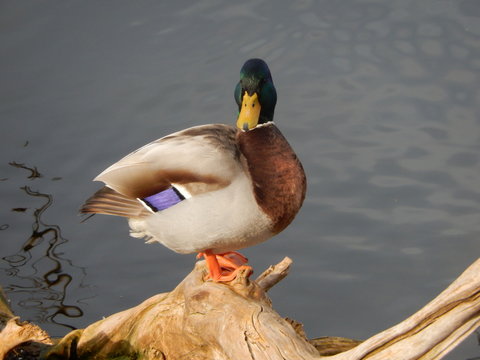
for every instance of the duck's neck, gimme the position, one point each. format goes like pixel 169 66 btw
pixel 277 175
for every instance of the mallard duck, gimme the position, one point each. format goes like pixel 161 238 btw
pixel 211 189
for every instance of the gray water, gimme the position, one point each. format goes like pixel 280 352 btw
pixel 380 100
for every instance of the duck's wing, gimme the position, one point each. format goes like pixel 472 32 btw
pixel 198 159
pixel 109 202
pixel 205 155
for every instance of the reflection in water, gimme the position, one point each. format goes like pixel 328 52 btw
pixel 40 272
pixel 34 173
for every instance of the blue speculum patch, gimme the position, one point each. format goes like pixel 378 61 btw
pixel 164 199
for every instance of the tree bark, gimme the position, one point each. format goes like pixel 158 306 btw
pixel 206 320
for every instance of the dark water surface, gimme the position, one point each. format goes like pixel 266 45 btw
pixel 380 99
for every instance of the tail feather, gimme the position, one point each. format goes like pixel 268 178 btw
pixel 108 201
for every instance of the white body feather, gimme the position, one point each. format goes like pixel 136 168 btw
pixel 223 220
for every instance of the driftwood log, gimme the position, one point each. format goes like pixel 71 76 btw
pixel 205 320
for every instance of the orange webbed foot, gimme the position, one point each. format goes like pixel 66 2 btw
pixel 224 267
pixel 229 275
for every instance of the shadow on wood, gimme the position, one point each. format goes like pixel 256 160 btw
pixel 206 320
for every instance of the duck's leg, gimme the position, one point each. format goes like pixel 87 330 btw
pixel 223 267
pixel 214 270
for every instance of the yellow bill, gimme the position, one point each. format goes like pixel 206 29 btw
pixel 249 112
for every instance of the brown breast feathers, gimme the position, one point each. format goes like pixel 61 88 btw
pixel 278 178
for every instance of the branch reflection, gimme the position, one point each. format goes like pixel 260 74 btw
pixel 41 274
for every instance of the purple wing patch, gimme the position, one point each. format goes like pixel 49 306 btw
pixel 163 200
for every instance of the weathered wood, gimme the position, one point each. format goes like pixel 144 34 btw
pixel 13 332
pixel 198 320
pixel 332 345
pixel 274 274
pixel 206 320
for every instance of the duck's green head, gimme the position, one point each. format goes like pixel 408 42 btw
pixel 255 95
